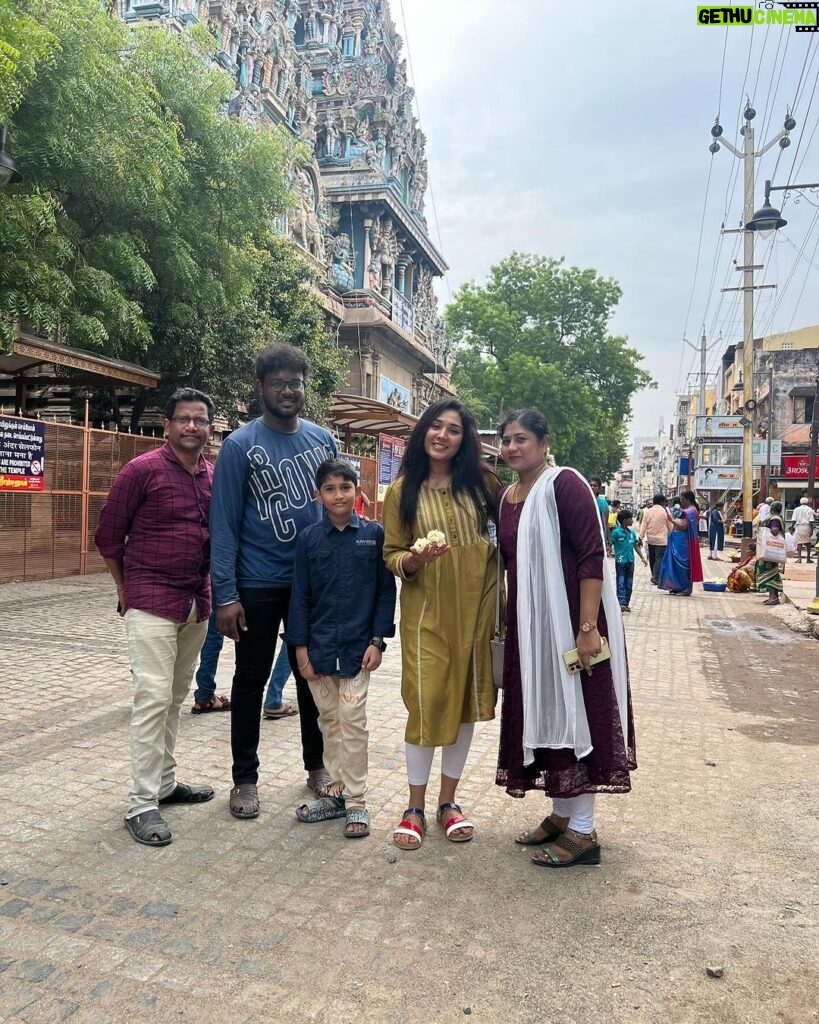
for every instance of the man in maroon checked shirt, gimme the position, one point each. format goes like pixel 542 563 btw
pixel 153 534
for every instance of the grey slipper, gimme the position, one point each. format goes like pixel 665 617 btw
pixel 244 800
pixel 323 809
pixel 149 828
pixel 357 816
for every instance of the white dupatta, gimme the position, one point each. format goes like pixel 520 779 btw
pixel 554 714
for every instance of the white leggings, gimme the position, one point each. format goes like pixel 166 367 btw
pixel 453 758
pixel 578 809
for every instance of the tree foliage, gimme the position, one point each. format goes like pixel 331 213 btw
pixel 536 336
pixel 143 229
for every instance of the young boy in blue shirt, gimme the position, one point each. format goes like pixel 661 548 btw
pixel 625 541
pixel 342 606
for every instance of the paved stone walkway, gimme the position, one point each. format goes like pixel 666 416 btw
pixel 710 862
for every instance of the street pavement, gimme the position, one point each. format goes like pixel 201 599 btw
pixel 709 863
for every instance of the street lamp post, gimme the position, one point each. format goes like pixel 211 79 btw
pixel 748 156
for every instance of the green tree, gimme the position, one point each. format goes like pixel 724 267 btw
pixel 143 228
pixel 536 335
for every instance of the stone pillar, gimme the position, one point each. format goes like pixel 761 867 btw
pixel 402 263
pixel 368 223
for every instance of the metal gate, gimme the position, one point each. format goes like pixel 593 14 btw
pixel 50 533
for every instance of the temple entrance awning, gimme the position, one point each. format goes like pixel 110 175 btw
pixel 354 414
pixel 29 353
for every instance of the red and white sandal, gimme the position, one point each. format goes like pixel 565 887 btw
pixel 456 822
pixel 409 828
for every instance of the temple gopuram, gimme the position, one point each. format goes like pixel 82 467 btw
pixel 332 72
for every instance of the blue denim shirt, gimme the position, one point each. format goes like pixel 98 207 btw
pixel 342 595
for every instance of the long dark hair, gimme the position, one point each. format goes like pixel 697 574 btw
pixel 469 475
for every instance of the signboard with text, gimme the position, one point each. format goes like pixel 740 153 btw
pixel 390 453
pixel 22 455
pixel 761 453
pixel 795 467
pixel 722 478
pixel 719 427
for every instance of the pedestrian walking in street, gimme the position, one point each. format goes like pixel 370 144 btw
pixel 702 525
pixel 153 534
pixel 567 736
pixel 342 606
pixel 603 509
pixel 681 567
pixel 263 496
pixel 767 570
pixel 625 543
pixel 447 605
pixel 804 522
pixel 716 532
pixel 654 531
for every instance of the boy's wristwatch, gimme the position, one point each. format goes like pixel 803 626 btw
pixel 378 641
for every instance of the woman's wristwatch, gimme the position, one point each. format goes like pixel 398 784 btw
pixel 378 641
pixel 587 627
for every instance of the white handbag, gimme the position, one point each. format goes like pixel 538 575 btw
pixel 771 547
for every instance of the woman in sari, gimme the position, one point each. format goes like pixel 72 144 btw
pixel 682 565
pixel 568 735
pixel 768 575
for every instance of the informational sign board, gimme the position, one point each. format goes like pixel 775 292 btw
pixel 355 462
pixel 761 453
pixel 22 455
pixel 390 453
pixel 684 465
pixel 718 478
pixel 722 427
pixel 795 467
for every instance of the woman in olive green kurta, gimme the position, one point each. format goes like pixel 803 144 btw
pixel 447 604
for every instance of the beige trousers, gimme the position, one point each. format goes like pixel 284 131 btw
pixel 163 659
pixel 342 708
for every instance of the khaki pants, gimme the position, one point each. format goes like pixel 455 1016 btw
pixel 342 707
pixel 163 658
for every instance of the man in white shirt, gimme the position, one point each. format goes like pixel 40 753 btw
pixel 804 520
pixel 654 530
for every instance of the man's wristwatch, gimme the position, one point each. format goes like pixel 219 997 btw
pixel 587 627
pixel 378 641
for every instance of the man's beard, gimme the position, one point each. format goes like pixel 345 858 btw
pixel 278 414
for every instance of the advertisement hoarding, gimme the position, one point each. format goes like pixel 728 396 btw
pixel 717 478
pixel 719 427
pixel 761 453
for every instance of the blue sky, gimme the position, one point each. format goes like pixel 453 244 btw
pixel 557 131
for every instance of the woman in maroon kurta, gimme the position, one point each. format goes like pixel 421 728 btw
pixel 570 781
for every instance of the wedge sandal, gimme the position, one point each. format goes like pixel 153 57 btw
pixel 580 855
pixel 529 838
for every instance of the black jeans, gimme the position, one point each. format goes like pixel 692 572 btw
pixel 655 558
pixel 265 611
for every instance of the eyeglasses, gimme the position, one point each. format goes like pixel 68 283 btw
pixel 197 421
pixel 280 385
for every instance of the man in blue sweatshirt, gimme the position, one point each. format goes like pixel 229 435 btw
pixel 263 497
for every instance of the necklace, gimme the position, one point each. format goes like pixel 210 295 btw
pixel 535 479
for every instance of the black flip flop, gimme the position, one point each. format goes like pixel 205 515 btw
pixel 185 794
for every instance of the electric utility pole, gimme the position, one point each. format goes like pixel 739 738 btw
pixel 748 155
